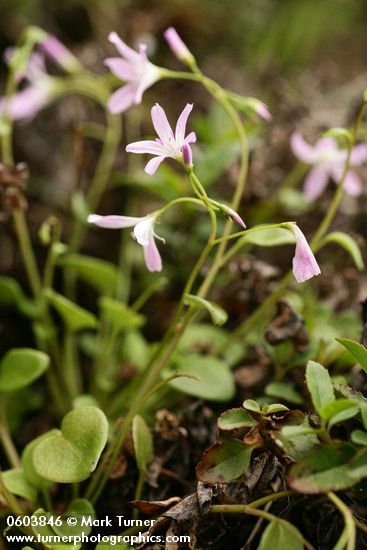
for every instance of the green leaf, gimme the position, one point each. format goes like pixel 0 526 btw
pixel 79 508
pixel 358 466
pixel 358 351
pixel 275 236
pixel 215 378
pixel 201 336
pixel 284 390
pixel 339 410
pixel 74 317
pixel 218 315
pixel 224 462
pixel 349 244
pixel 11 294
pixel 72 454
pixel 252 405
pixel 119 316
pixel 274 408
pixel 281 535
pixel 20 367
pixel 325 469
pixel 359 437
pixel 101 274
pixel 27 462
pixel 143 443
pixel 234 419
pixel 16 482
pixel 319 385
pixel 48 533
pixel 297 440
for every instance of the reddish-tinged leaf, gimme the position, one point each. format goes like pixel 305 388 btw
pixel 224 462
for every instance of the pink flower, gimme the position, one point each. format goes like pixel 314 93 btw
pixel 168 145
pixel 135 69
pixel 143 233
pixel 37 95
pixel 56 51
pixel 178 46
pixel 328 162
pixel 305 265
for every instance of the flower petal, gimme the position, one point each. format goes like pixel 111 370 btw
pixel 191 138
pixel 315 182
pixel 152 258
pixel 147 146
pixel 152 166
pixel 181 123
pixel 143 230
pixel 305 265
pixel 358 155
pixel 326 144
pixel 123 48
pixel 353 184
pixel 301 149
pixel 161 124
pixel 121 99
pixel 113 222
pixel 120 68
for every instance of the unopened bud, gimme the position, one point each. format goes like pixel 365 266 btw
pixel 187 155
pixel 178 47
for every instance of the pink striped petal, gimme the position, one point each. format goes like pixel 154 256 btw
pixel 305 265
pixel 121 99
pixel 303 150
pixel 147 146
pixel 120 68
pixel 191 138
pixel 181 123
pixel 315 182
pixel 152 166
pixel 353 184
pixel 143 230
pixel 358 155
pixel 161 124
pixel 152 258
pixel 122 48
pixel 113 222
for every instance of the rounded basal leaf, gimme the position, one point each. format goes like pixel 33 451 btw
pixel 224 462
pixel 358 351
pixel 319 385
pixel 143 443
pixel 20 367
pixel 215 378
pixel 234 419
pixel 112 545
pixel 200 336
pixel 281 535
pixel 217 313
pixel 75 317
pixel 47 532
pixel 324 469
pixel 101 274
pixel 72 455
pixel 27 461
pixel 119 316
pixel 80 508
pixel 16 483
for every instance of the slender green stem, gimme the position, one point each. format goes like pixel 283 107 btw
pixel 26 249
pixel 71 366
pixel 138 491
pixel 348 537
pixel 6 440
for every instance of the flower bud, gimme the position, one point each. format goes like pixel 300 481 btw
pixel 178 47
